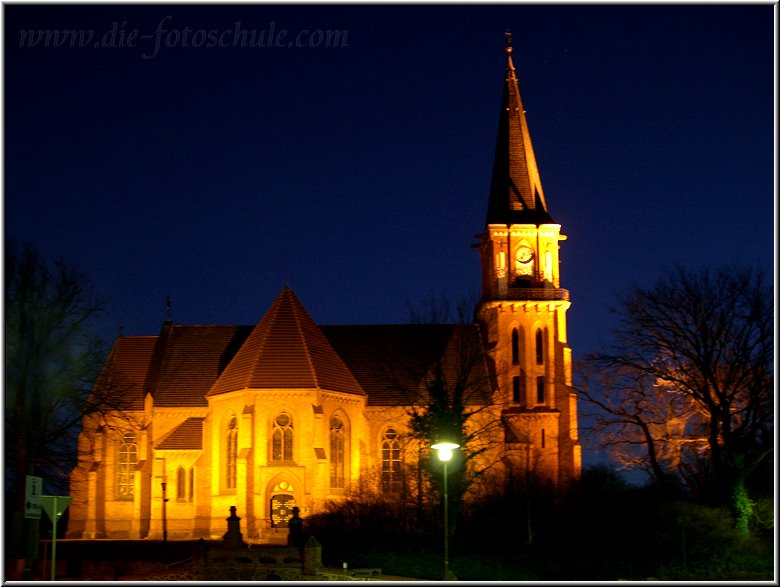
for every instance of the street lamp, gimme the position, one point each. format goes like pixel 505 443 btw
pixel 444 451
pixel 164 514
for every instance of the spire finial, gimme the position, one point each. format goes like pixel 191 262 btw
pixel 508 39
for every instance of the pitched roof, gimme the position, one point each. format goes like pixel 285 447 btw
pixel 191 359
pixel 393 362
pixel 125 374
pixel 516 194
pixel 186 436
pixel 286 350
pixel 390 363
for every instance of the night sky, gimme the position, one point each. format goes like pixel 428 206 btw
pixel 359 174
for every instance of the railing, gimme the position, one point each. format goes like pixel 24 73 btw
pixel 534 293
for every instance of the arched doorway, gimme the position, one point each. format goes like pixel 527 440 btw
pixel 281 503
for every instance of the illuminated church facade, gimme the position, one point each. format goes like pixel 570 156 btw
pixel 288 412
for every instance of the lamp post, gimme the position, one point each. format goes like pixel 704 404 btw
pixel 444 451
pixel 164 513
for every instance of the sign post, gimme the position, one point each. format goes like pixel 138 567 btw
pixel 54 506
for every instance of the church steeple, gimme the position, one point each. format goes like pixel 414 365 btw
pixel 523 307
pixel 516 194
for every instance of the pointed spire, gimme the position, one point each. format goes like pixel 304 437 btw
pixel 516 194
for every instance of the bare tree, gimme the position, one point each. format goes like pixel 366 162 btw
pixel 51 360
pixel 644 426
pixel 690 380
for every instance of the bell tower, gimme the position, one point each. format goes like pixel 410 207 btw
pixel 523 308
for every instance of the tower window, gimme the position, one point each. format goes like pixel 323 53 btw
pixel 548 273
pixel 540 389
pixel 516 389
pixel 391 462
pixel 282 438
pixel 192 483
pixel 539 347
pixel 515 347
pixel 543 438
pixel 231 453
pixel 337 452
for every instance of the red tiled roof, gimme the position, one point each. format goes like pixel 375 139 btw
pixel 187 436
pixel 286 350
pixel 191 360
pixel 387 362
pixel 126 371
pixel 392 361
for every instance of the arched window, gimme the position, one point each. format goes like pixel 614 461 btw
pixel 231 453
pixel 337 452
pixel 391 462
pixel 539 347
pixel 192 483
pixel 128 458
pixel 515 347
pixel 181 488
pixel 540 389
pixel 282 438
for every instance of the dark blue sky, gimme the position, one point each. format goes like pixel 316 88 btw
pixel 360 174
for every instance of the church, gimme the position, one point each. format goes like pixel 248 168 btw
pixel 288 412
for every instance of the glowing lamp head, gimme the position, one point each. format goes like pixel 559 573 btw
pixel 444 450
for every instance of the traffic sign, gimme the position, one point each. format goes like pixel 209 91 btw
pixel 33 488
pixel 55 505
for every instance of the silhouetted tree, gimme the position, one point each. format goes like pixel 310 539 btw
pixel 455 402
pixel 686 391
pixel 51 360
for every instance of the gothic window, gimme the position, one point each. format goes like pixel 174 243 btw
pixel 231 453
pixel 282 438
pixel 337 452
pixel 192 483
pixel 181 487
pixel 391 462
pixel 128 458
pixel 540 389
pixel 515 347
pixel 539 347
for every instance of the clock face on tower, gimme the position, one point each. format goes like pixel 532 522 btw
pixel 524 255
pixel 524 258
